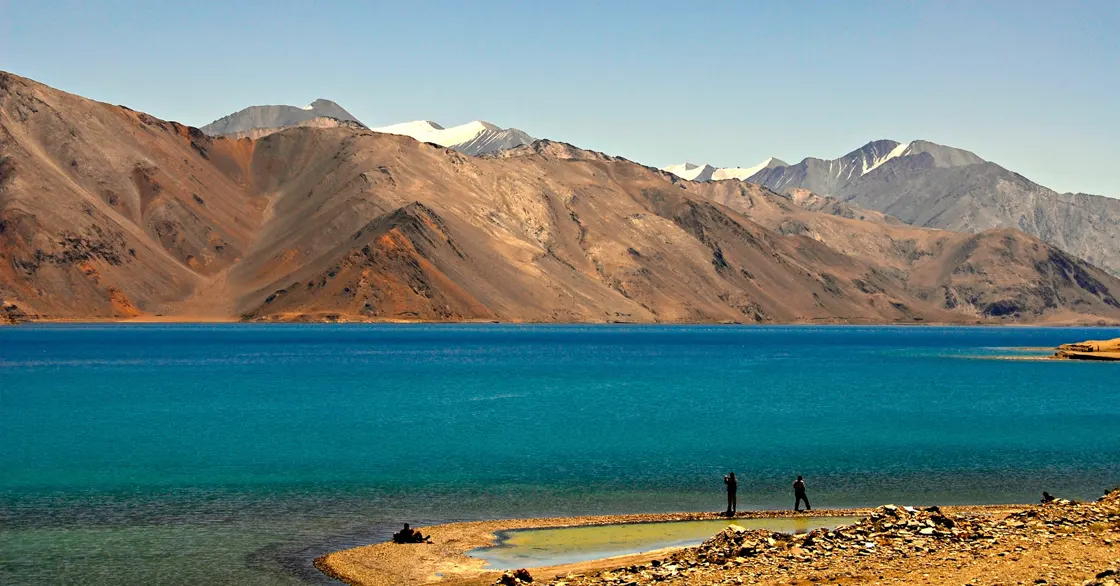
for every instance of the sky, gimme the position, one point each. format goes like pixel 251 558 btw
pixel 1033 86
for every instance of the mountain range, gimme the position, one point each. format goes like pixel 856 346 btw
pixel 472 138
pixel 930 185
pixel 707 172
pixel 109 213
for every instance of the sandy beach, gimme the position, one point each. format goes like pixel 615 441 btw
pixel 1069 542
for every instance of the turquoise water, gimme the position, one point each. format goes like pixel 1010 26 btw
pixel 531 548
pixel 155 454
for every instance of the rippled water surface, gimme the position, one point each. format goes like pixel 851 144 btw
pixel 155 454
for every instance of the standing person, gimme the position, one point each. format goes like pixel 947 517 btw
pixel 732 487
pixel 799 494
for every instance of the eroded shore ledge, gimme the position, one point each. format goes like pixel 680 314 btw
pixel 445 562
pixel 1101 350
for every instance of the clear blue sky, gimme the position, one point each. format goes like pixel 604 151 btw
pixel 1033 86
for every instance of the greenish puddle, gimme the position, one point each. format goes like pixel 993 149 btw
pixel 528 548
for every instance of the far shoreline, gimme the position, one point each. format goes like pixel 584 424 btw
pixel 400 322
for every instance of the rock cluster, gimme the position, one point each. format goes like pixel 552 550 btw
pixel 892 537
pixel 1107 577
pixel 515 578
pixel 10 313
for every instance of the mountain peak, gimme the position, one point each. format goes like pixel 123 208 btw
pixel 322 103
pixel 944 156
pixel 277 116
pixel 410 128
pixel 876 153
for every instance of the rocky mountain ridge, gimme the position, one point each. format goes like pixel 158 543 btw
pixel 930 185
pixel 473 138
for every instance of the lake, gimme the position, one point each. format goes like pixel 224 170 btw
pixel 172 454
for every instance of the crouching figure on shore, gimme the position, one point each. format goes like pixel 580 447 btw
pixel 409 535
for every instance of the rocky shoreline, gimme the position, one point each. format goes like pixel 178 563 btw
pixel 1057 543
pixel 445 561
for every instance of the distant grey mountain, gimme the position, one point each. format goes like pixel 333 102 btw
pixel 268 117
pixel 829 177
pixel 935 186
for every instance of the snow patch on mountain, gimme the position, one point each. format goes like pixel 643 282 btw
pixel 896 152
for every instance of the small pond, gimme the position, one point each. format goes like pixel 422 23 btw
pixel 527 548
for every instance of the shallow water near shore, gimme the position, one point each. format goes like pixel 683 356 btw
pixel 528 548
pixel 205 454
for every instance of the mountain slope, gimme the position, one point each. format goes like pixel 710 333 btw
pixel 834 207
pixel 934 186
pixel 996 273
pixel 473 138
pixel 110 213
pixel 321 122
pixel 276 117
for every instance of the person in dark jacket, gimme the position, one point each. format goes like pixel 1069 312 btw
pixel 410 535
pixel 799 494
pixel 732 487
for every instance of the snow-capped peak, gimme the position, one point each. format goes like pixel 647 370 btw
pixel 466 132
pixel 693 172
pixel 744 173
pixel 472 138
pixel 411 128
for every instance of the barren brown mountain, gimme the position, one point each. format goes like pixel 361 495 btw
pixel 109 213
